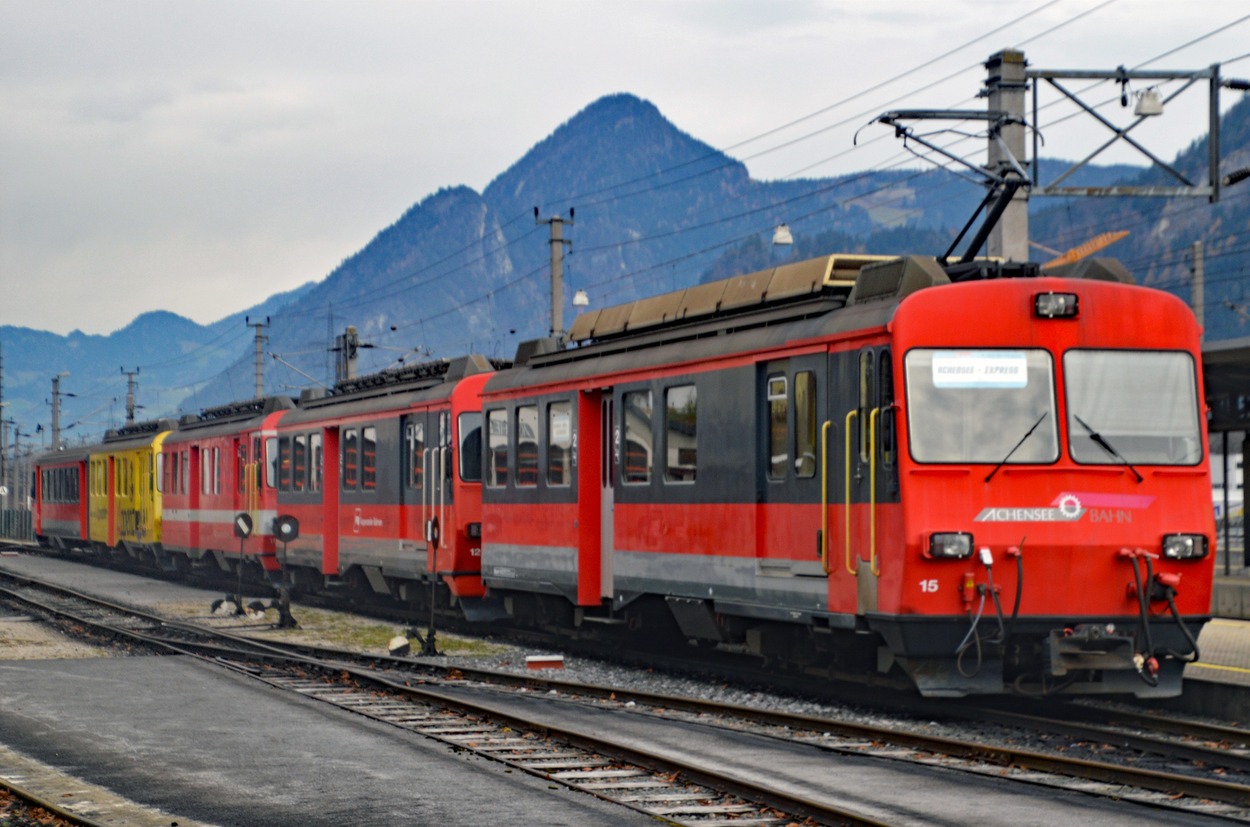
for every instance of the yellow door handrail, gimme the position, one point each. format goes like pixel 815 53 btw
pixel 824 495
pixel 872 491
pixel 847 515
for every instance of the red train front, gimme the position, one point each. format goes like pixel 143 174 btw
pixel 1052 470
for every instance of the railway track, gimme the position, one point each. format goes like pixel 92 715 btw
pixel 509 718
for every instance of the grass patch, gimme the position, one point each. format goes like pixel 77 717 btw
pixel 329 628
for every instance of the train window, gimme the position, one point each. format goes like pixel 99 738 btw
pixel 160 473
pixel 216 470
pixel 184 479
pixel 257 463
pixel 284 463
pixel 681 433
pixel 299 462
pixel 983 406
pixel 865 402
pixel 637 460
pixel 805 424
pixel 414 442
pixel 559 443
pixel 241 467
pixel 1132 407
pixel 470 425
pixel 527 445
pixel 369 458
pixel 497 448
pixel 885 401
pixel 271 461
pixel 316 462
pixel 351 458
pixel 778 427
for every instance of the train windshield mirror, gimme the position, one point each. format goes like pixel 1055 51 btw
pixel 1143 403
pixel 967 406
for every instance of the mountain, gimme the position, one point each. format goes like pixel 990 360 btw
pixel 652 209
pixel 171 353
pixel 461 271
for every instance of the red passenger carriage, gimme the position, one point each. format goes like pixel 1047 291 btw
pixel 383 476
pixel 61 501
pixel 218 464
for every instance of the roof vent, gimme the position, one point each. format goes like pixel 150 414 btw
pixel 896 278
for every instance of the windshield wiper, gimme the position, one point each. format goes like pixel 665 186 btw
pixel 1106 446
pixel 1015 448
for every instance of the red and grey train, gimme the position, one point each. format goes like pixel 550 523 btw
pixel 857 466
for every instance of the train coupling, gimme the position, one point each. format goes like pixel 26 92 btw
pixel 1090 646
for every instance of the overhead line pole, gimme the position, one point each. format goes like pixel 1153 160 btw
pixel 1006 86
pixel 131 384
pixel 261 338
pixel 557 242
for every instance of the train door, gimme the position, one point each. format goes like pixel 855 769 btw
pixel 793 541
pixel 609 438
pixel 417 452
pixel 869 476
pixel 592 456
pixel 331 491
pixel 437 490
pixel 110 494
pixel 241 465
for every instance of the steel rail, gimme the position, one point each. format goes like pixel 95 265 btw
pixel 1170 783
pixel 36 800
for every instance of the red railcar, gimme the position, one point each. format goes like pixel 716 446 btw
pixel 217 465
pixel 61 501
pixel 987 485
pixel 383 476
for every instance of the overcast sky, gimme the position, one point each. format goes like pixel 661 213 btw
pixel 237 149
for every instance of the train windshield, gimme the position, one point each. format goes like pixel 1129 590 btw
pixel 984 406
pixel 1132 407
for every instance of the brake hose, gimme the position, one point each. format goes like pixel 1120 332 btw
pixel 1144 619
pixel 972 636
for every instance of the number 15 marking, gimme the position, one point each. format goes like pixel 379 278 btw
pixel 929 585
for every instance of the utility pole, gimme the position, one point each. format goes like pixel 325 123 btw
pixel 557 242
pixel 131 384
pixel 261 338
pixel 1006 86
pixel 56 409
pixel 346 348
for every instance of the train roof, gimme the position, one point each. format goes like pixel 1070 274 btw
pixel 69 454
pixel 391 389
pixel 830 294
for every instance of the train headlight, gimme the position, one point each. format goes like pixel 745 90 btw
pixel 1185 546
pixel 1055 305
pixel 950 545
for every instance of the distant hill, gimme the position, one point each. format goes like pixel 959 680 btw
pixel 656 209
